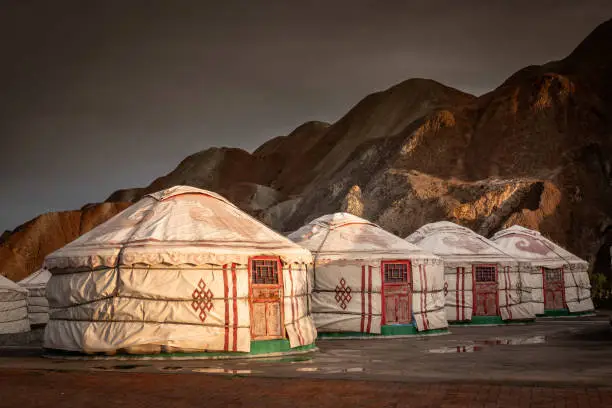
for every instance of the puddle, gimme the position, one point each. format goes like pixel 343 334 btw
pixel 456 349
pixel 222 371
pixel 514 341
pixel 307 369
pixel 171 368
pixel 118 367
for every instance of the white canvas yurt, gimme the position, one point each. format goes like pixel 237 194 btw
pixel 560 279
pixel 183 270
pixel 38 306
pixel 368 281
pixel 13 307
pixel 483 284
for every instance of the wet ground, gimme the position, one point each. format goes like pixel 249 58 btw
pixel 551 352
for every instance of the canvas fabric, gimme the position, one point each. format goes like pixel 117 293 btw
pixel 532 248
pixel 135 284
pixel 462 249
pixel 38 306
pixel 347 292
pixel 13 308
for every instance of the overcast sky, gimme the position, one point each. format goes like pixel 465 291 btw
pixel 101 95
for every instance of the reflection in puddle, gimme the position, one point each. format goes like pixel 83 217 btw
pixel 515 341
pixel 211 370
pixel 171 368
pixel 504 341
pixel 307 369
pixel 456 349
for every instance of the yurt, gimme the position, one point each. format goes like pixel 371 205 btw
pixel 561 285
pixel 181 271
pixel 38 307
pixel 13 307
pixel 367 281
pixel 483 284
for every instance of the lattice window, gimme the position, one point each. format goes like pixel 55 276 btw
pixel 396 272
pixel 264 272
pixel 553 275
pixel 485 273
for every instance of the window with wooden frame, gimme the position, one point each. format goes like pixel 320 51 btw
pixel 485 273
pixel 553 274
pixel 264 272
pixel 396 272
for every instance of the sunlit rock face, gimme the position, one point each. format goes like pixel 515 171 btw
pixel 536 151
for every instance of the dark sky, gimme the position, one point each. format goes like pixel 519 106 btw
pixel 101 95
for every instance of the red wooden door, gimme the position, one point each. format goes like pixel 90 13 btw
pixel 485 290
pixel 553 289
pixel 266 296
pixel 397 292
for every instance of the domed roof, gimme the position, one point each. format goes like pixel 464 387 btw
pixel 346 236
pixel 449 240
pixel 179 225
pixel 526 244
pixel 7 285
pixel 37 279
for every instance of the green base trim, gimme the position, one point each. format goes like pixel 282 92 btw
pixel 564 312
pixel 489 320
pixel 386 330
pixel 258 348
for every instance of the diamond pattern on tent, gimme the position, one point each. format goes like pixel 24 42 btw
pixel 343 294
pixel 202 300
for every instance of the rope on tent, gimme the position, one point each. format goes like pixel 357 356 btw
pixel 568 264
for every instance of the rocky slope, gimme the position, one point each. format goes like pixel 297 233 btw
pixel 22 251
pixel 536 151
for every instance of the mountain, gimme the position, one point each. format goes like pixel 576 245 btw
pixel 536 151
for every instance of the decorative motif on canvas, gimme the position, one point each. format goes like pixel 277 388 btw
pixel 343 294
pixel 202 300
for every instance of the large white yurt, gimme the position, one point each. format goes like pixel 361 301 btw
pixel 38 306
pixel 13 307
pixel 483 284
pixel 181 271
pixel 561 284
pixel 368 281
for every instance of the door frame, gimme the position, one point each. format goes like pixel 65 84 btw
pixel 382 286
pixel 563 304
pixel 496 266
pixel 280 286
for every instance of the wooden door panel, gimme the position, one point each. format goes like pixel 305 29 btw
pixel 258 320
pixel 273 321
pixel 485 299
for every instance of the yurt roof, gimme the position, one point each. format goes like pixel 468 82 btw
pixel 346 236
pixel 450 240
pixel 179 225
pixel 37 279
pixel 530 245
pixel 7 285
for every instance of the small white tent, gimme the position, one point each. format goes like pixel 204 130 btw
pixel 13 307
pixel 483 283
pixel 560 279
pixel 182 270
pixel 367 280
pixel 38 306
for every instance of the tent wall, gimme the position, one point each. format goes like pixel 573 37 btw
pixel 515 287
pixel 577 288
pixel 13 312
pixel 363 313
pixel 141 309
pixel 38 306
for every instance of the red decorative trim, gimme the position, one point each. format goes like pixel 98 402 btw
pixel 458 295
pixel 235 304
pixel 425 320
pixel 362 298
pixel 369 298
pixel 226 298
pixel 462 293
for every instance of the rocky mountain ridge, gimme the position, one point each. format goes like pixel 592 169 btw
pixel 536 151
